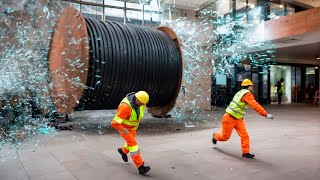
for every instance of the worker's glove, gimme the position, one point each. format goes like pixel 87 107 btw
pixel 269 116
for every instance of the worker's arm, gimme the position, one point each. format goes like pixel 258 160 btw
pixel 249 99
pixel 123 112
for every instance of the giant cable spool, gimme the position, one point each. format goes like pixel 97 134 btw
pixel 112 59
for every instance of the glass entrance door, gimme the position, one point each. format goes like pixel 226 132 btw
pixel 278 72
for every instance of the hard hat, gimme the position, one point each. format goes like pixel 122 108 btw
pixel 142 96
pixel 246 82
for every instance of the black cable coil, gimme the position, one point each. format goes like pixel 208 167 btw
pixel 127 58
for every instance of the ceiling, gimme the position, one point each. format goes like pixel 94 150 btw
pixel 304 48
pixel 301 52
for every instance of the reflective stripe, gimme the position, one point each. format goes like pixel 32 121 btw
pixel 135 153
pixel 237 105
pixel 130 123
pixel 133 148
pixel 134 120
pixel 118 119
pixel 125 131
pixel 242 114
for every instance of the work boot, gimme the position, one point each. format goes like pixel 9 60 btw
pixel 214 141
pixel 248 155
pixel 124 156
pixel 143 169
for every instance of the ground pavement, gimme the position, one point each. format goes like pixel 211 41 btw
pixel 286 148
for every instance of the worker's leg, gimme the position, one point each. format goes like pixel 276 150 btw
pixel 125 148
pixel 227 126
pixel 279 98
pixel 132 147
pixel 242 132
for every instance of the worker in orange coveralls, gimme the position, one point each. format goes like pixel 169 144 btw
pixel 233 118
pixel 129 113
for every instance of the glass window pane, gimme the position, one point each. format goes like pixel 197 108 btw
pixel 241 4
pixel 75 5
pixel 147 8
pixel 254 15
pixel 156 17
pixel 223 6
pixel 290 9
pixel 152 19
pixel 242 17
pixel 154 5
pixel 113 14
pixel 134 14
pixel 114 3
pixel 147 16
pixel 134 6
pixel 92 11
pixel 276 10
pixel 134 17
pixel 252 3
pixel 94 1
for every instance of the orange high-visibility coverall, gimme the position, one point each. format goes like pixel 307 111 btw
pixel 229 122
pixel 127 132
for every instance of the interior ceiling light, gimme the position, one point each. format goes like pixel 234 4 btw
pixel 318 57
pixel 280 6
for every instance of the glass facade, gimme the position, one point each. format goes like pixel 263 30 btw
pixel 75 5
pixel 94 1
pixel 131 12
pixel 94 12
pixel 113 14
pixel 149 13
pixel 114 3
pixel 255 11
pixel 282 9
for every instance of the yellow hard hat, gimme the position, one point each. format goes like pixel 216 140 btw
pixel 246 82
pixel 142 96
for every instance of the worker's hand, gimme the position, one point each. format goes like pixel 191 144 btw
pixel 269 116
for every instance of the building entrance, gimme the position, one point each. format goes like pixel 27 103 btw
pixel 280 84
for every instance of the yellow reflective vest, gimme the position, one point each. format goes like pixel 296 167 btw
pixel 237 108
pixel 133 120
